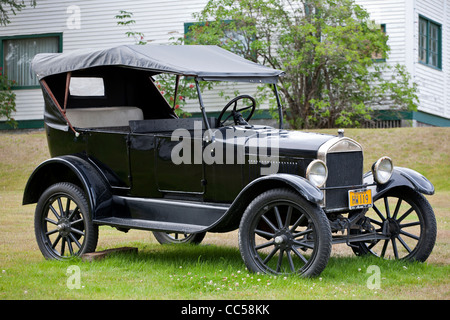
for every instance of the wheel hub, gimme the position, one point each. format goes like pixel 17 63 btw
pixel 280 239
pixel 391 228
pixel 284 239
pixel 63 227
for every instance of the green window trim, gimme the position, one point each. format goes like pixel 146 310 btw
pixel 59 36
pixel 23 124
pixel 430 43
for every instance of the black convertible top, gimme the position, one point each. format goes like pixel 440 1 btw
pixel 209 63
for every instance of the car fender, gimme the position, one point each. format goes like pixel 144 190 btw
pixel 401 177
pixel 230 220
pixel 75 170
pixel 298 183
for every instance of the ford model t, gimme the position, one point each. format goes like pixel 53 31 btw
pixel 121 157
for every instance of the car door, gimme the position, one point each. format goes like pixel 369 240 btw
pixel 179 165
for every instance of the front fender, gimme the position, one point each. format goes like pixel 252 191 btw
pixel 401 177
pixel 230 220
pixel 75 170
pixel 299 184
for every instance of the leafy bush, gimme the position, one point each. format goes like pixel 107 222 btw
pixel 7 99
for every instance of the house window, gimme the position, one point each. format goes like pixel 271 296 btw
pixel 430 43
pixel 17 53
pixel 380 56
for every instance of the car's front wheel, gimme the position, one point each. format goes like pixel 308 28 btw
pixel 407 220
pixel 63 223
pixel 282 233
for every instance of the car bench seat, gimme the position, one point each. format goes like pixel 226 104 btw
pixel 103 117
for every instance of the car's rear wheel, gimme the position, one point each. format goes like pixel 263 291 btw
pixel 282 233
pixel 177 237
pixel 407 219
pixel 63 223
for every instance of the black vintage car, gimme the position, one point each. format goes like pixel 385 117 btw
pixel 121 157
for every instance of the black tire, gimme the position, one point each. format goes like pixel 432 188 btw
pixel 63 223
pixel 282 233
pixel 176 237
pixel 408 219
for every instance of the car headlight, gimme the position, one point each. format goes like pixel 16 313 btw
pixel 317 173
pixel 382 170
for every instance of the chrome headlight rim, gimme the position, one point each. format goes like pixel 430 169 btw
pixel 312 170
pixel 379 170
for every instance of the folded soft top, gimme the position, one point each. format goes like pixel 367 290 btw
pixel 209 63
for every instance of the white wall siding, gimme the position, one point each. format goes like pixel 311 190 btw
pixel 392 14
pixel 30 104
pixel 159 20
pixel 434 85
pixel 446 58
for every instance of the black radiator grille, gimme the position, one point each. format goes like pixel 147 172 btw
pixel 344 170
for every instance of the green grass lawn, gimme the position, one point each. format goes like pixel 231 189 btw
pixel 214 270
pixel 211 272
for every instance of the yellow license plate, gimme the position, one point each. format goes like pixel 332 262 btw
pixel 359 199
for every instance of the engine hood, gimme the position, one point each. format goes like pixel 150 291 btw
pixel 288 143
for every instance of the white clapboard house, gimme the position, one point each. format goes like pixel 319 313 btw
pixel 419 36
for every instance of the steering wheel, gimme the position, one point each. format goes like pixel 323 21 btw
pixel 236 113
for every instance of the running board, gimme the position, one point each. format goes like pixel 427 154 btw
pixel 165 215
pixel 149 225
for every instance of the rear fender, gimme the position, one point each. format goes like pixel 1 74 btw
pixel 75 170
pixel 401 177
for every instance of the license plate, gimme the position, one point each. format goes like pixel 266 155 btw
pixel 359 199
